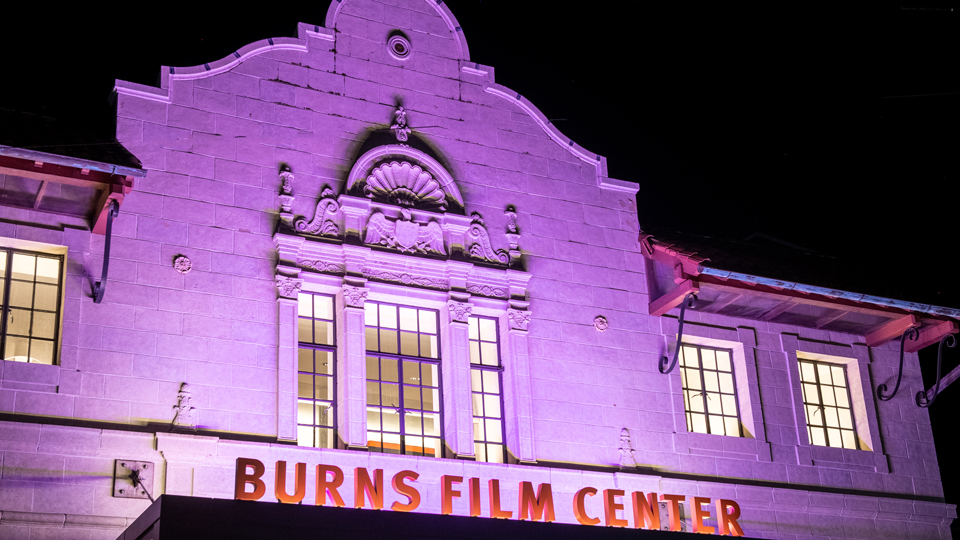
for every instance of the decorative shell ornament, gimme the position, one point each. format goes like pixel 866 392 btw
pixel 405 185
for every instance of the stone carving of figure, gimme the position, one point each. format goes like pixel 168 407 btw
pixel 626 450
pixel 183 418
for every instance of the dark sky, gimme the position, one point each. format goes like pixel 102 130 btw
pixel 834 128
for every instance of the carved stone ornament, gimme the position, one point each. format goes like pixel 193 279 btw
pixel 354 296
pixel 399 126
pixel 600 323
pixel 324 221
pixel 478 243
pixel 459 311
pixel 627 459
pixel 183 417
pixel 486 290
pixel 289 287
pixel 322 266
pixel 182 264
pixel 404 279
pixel 406 185
pixel 513 235
pixel 518 319
pixel 404 234
pixel 286 189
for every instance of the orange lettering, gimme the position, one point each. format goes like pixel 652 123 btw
pixel 578 508
pixel 495 511
pixel 242 479
pixel 699 514
pixel 323 485
pixel 299 486
pixel 646 512
pixel 406 490
pixel 447 493
pixel 474 484
pixel 362 485
pixel 727 521
pixel 533 507
pixel 673 509
pixel 610 507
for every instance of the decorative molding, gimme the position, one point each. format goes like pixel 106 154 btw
pixel 479 246
pixel 405 279
pixel 404 184
pixel 459 311
pixel 184 416
pixel 324 221
pixel 322 266
pixel 513 235
pixel 354 296
pixel 627 458
pixel 404 234
pixel 486 290
pixel 182 264
pixel 289 287
pixel 518 319
pixel 600 323
pixel 400 127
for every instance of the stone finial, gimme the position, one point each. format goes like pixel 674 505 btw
pixel 182 264
pixel 289 287
pixel 600 323
pixel 518 319
pixel 354 296
pixel 400 125
pixel 459 311
pixel 513 235
pixel 183 417
pixel 286 195
pixel 627 459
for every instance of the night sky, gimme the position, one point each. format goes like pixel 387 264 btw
pixel 835 129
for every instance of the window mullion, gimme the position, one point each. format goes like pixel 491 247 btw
pixel 6 303
pixel 703 389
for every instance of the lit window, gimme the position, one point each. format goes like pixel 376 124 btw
pixel 31 301
pixel 486 383
pixel 315 372
pixel 826 402
pixel 403 380
pixel 709 391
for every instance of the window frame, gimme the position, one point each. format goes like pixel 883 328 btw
pixel 688 412
pixel 821 405
pixel 498 369
pixel 36 250
pixel 400 358
pixel 332 349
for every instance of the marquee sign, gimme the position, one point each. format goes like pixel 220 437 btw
pixel 533 505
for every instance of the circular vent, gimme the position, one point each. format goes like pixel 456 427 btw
pixel 399 47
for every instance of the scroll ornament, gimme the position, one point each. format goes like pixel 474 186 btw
pixel 479 243
pixel 324 221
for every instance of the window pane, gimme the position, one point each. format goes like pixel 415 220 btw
pixel 388 370
pixel 431 424
pixel 304 330
pixel 494 430
pixel 488 354
pixel 814 418
pixel 3 264
pixel 411 372
pixel 304 306
pixel 732 426
pixel 696 401
pixel 370 336
pixel 408 319
pixel 48 270
pixel 304 436
pixel 827 395
pixel 845 421
pixel 478 404
pixel 388 316
pixel 710 382
pixel 488 330
pixel 431 447
pixel 723 361
pixel 324 390
pixel 324 363
pixel 693 379
pixel 428 346
pixel 304 412
pixel 23 266
pixel 323 332
pixel 370 314
pixel 391 443
pixel 323 307
pixel 716 425
pixel 474 325
pixel 841 395
pixel 474 352
pixel 388 341
pixel 491 382
pixel 834 438
pixel 305 360
pixel 481 450
pixel 818 436
pixel 708 358
pixel 726 383
pixel 810 394
pixel 699 423
pixel 411 397
pixel 16 349
pixel 373 368
pixel 478 429
pixel 391 421
pixel 839 377
pixel 491 405
pixel 729 405
pixel 324 414
pixel 849 440
pixel 305 386
pixel 431 399
pixel 44 324
pixel 713 403
pixel 690 357
pixel 373 419
pixel 428 321
pixel 428 375
pixel 373 393
pixel 21 294
pixel 806 372
pixel 475 383
pixel 412 424
pixel 824 373
pixel 409 344
pixel 41 352
pixel 390 395
pixel 495 453
pixel 830 416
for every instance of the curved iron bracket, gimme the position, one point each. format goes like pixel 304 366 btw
pixel 101 286
pixel 689 301
pixel 922 399
pixel 914 335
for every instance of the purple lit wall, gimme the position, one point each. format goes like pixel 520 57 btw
pixel 287 168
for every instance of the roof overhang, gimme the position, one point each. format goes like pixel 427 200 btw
pixel 760 298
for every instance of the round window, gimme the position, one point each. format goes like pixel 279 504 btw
pixel 399 47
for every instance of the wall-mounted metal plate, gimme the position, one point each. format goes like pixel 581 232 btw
pixel 123 484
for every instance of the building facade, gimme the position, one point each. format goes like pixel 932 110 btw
pixel 358 272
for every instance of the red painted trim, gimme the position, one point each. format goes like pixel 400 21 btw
pixel 668 255
pixel 891 329
pixel 673 298
pixel 931 335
